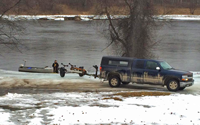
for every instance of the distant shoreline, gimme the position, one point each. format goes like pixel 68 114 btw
pixel 93 17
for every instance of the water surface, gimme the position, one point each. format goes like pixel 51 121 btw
pixel 81 43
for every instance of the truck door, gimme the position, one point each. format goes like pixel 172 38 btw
pixel 151 75
pixel 122 67
pixel 125 70
pixel 137 71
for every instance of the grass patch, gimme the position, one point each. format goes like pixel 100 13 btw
pixel 115 98
pixel 138 94
pixel 102 105
pixel 11 108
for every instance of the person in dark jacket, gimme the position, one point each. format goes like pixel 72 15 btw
pixel 55 66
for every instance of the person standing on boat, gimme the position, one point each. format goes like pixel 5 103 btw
pixel 55 66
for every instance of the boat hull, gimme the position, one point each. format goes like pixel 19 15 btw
pixel 35 69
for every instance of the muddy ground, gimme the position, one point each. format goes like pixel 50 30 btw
pixel 77 87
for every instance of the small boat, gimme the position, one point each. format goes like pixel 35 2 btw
pixel 35 69
pixel 45 69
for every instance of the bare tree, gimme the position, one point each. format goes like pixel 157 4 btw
pixel 193 4
pixel 132 36
pixel 80 5
pixel 167 6
pixel 8 29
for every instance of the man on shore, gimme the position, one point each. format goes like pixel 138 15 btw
pixel 55 66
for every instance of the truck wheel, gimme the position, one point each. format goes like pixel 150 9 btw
pixel 125 83
pixel 62 72
pixel 173 85
pixel 114 81
pixel 181 88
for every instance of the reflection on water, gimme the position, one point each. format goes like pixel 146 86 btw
pixel 180 45
pixel 80 43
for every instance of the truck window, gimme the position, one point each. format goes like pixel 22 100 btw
pixel 165 65
pixel 118 63
pixel 123 63
pixel 139 64
pixel 151 65
pixel 104 61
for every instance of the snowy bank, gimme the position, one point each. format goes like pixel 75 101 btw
pixel 10 79
pixel 94 17
pixel 179 17
pixel 93 108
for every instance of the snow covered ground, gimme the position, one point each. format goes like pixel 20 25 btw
pixel 179 17
pixel 94 17
pixel 93 107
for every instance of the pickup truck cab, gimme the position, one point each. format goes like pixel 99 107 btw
pixel 124 70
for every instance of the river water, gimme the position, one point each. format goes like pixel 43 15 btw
pixel 81 43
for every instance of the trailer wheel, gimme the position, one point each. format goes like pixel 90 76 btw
pixel 81 74
pixel 62 72
pixel 114 81
pixel 173 85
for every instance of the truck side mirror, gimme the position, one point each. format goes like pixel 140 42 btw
pixel 158 68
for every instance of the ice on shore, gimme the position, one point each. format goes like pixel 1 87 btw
pixel 10 79
pixel 179 17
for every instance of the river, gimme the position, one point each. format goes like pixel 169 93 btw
pixel 81 43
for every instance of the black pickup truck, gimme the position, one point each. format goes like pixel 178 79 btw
pixel 124 70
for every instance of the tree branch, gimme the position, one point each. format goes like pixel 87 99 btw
pixel 129 6
pixel 112 27
pixel 10 8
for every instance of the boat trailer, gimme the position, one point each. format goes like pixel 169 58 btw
pixel 79 70
pixel 63 70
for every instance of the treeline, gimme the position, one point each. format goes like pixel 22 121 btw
pixel 84 6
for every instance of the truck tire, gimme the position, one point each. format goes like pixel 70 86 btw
pixel 114 81
pixel 181 88
pixel 173 85
pixel 62 72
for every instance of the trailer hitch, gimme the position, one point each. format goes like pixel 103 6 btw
pixel 96 71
